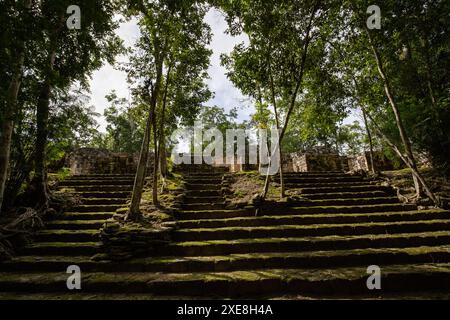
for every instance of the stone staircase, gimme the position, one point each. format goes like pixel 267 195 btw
pixel 320 247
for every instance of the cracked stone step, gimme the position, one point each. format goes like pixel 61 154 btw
pixel 249 212
pixel 86 216
pixel 68 236
pixel 203 186
pixel 112 182
pixel 333 242
pixel 419 277
pixel 75 224
pixel 104 201
pixel 95 208
pixel 345 202
pixel 200 199
pixel 315 219
pixel 62 248
pixel 311 230
pixel 344 188
pixel 345 195
pixel 102 188
pixel 234 262
pixel 203 206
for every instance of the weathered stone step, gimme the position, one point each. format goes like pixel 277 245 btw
pixel 116 195
pixel 203 186
pixel 315 219
pixel 102 176
pixel 74 224
pixel 345 179
pixel 282 260
pixel 305 185
pixel 315 174
pixel 203 193
pixel 315 230
pixel 62 248
pixel 87 216
pixel 68 236
pixel 210 180
pixel 244 246
pixel 215 214
pixel 112 182
pixel 203 206
pixel 395 278
pixel 207 199
pixel 102 188
pixel 104 201
pixel 226 214
pixel 345 195
pixel 95 208
pixel 345 188
pixel 345 202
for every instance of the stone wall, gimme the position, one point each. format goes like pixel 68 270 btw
pixel 362 162
pixel 309 162
pixel 99 161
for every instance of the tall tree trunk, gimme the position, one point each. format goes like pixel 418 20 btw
pixel 369 137
pixel 406 160
pixel 7 126
pixel 162 157
pixel 277 121
pixel 398 119
pixel 39 185
pixel 295 93
pixel 134 212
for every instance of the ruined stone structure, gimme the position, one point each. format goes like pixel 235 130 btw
pixel 99 161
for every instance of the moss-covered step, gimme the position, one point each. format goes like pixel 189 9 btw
pixel 214 214
pixel 394 207
pixel 203 206
pixel 102 188
pixel 71 183
pixel 235 262
pixel 329 184
pixel 102 176
pixel 100 194
pixel 209 180
pixel 62 248
pixel 343 179
pixel 315 174
pixel 346 195
pixel 103 201
pixel 74 224
pixel 206 199
pixel 345 202
pixel 315 219
pixel 249 212
pixel 344 188
pixel 86 216
pixel 203 186
pixel 285 244
pixel 203 193
pixel 311 230
pixel 68 236
pixel 395 278
pixel 95 208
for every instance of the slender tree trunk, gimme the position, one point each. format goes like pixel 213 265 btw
pixel 7 126
pixel 415 172
pixel 277 121
pixel 134 212
pixel 398 119
pixel 39 185
pixel 162 144
pixel 369 137
pixel 295 93
pixel 155 163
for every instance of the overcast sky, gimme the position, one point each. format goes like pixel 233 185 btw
pixel 226 95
